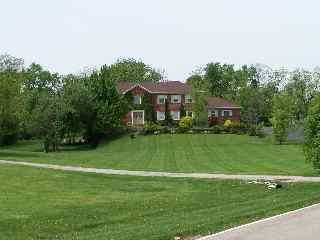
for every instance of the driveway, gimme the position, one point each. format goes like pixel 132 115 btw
pixel 301 224
pixel 166 174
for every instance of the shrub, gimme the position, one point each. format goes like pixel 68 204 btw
pixel 238 128
pixel 213 121
pixel 256 130
pixel 185 122
pixel 227 123
pixel 8 139
pixel 252 130
pixel 151 128
pixel 217 129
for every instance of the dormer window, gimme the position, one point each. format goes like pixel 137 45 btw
pixel 137 99
pixel 176 99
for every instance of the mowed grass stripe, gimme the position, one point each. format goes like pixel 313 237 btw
pixel 209 153
pixel 48 204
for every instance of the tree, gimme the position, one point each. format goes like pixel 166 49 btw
pixel 197 81
pixel 10 98
pixel 132 70
pixel 47 122
pixel 109 105
pixel 215 77
pixel 41 89
pixel 302 87
pixel 79 111
pixel 199 106
pixel 36 78
pixel 283 110
pixel 312 134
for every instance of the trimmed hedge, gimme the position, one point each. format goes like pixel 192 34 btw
pixel 234 128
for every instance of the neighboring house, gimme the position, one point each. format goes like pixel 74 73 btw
pixel 177 94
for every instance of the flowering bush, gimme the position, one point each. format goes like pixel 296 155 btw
pixel 227 123
pixel 185 122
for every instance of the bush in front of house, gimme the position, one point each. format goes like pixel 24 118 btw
pixel 185 122
pixel 218 129
pixel 213 121
pixel 152 128
pixel 227 123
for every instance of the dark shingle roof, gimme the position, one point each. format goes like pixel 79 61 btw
pixel 216 102
pixel 170 87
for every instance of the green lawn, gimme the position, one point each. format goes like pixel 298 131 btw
pixel 47 204
pixel 177 153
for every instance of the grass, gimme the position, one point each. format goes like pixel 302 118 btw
pixel 48 204
pixel 238 154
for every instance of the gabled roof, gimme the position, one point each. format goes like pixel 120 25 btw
pixel 216 102
pixel 170 87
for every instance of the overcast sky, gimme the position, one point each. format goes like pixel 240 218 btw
pixel 177 35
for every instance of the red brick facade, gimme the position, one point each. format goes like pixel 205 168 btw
pixel 175 89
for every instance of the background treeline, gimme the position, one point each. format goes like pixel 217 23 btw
pixel 37 103
pixel 255 87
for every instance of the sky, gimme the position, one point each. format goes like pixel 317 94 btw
pixel 179 36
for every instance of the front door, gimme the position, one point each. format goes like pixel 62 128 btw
pixel 138 117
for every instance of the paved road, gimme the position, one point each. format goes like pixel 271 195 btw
pixel 166 174
pixel 302 224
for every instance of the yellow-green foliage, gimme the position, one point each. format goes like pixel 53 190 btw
pixel 227 123
pixel 185 122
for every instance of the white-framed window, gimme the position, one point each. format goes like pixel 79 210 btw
pixel 137 99
pixel 213 113
pixel 175 115
pixel 161 99
pixel 161 116
pixel 227 113
pixel 189 114
pixel 176 99
pixel 188 99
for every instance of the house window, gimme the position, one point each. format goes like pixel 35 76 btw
pixel 175 115
pixel 161 116
pixel 227 113
pixel 176 99
pixel 161 99
pixel 188 99
pixel 213 113
pixel 189 114
pixel 137 100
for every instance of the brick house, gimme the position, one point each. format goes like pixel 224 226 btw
pixel 177 94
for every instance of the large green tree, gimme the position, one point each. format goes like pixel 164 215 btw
pixel 79 112
pixel 110 106
pixel 132 70
pixel 215 77
pixel 312 134
pixel 10 98
pixel 283 110
pixel 39 86
pixel 303 88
